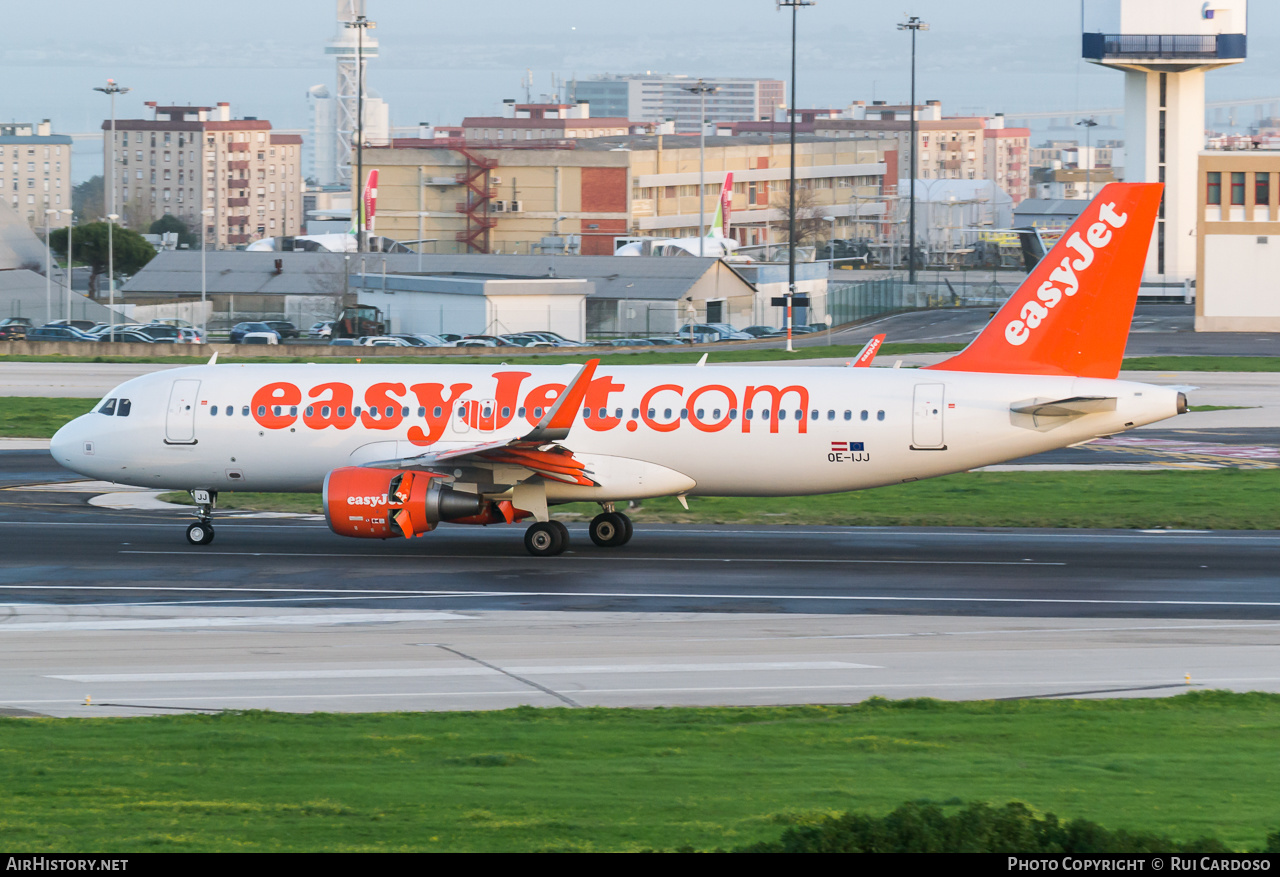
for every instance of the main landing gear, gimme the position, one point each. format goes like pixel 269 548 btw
pixel 201 532
pixel 609 529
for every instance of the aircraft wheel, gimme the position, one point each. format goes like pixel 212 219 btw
pixel 626 523
pixel 200 533
pixel 546 539
pixel 608 530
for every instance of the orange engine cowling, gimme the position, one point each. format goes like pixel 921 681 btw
pixel 379 503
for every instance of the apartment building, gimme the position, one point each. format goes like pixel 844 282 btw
pixel 35 173
pixel 186 160
pixel 584 194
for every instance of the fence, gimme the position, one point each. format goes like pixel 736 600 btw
pixel 851 302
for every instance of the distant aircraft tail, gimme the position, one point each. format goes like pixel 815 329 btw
pixel 368 205
pixel 720 224
pixel 1071 316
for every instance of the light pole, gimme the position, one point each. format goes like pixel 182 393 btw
pixel 205 213
pixel 361 24
pixel 48 269
pixel 111 274
pixel 1089 124
pixel 702 90
pixel 831 242
pixel 791 191
pixel 913 24
pixel 71 222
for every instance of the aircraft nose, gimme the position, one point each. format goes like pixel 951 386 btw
pixel 69 444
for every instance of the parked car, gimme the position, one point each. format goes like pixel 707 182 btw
pixel 58 333
pixel 283 328
pixel 557 339
pixel 482 341
pixel 322 329
pixel 125 336
pixel 448 337
pixel 16 321
pixel 382 341
pixel 343 342
pixel 82 325
pixel 666 341
pixel 190 336
pixel 13 332
pixel 239 330
pixel 630 342
pixel 525 339
pixel 704 332
pixel 758 331
pixel 161 332
pixel 428 339
pixel 268 337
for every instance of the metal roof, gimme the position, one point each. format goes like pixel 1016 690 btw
pixel 617 277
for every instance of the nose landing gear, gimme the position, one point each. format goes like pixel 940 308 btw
pixel 201 532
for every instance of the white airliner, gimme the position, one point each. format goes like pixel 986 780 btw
pixel 716 242
pixel 399 449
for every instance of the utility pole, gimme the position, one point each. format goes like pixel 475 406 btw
pixel 1089 124
pixel 791 192
pixel 361 23
pixel 702 90
pixel 112 89
pixel 913 24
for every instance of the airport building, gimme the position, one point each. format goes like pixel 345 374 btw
pixel 35 173
pixel 581 196
pixel 1238 241
pixel 252 185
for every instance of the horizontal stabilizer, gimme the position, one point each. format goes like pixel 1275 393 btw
pixel 1072 407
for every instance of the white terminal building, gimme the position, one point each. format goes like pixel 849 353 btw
pixel 1164 48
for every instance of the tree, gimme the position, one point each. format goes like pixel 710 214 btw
pixel 810 226
pixel 89 247
pixel 88 198
pixel 170 223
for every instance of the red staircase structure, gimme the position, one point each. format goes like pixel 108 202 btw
pixel 479 196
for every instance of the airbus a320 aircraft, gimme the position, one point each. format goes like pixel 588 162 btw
pixel 397 450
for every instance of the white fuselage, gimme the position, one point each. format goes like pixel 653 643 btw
pixel 652 430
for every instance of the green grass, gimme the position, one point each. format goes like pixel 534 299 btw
pixel 38 416
pixel 599 779
pixel 1202 363
pixel 1229 499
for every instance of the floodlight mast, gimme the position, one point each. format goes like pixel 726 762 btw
pixel 913 24
pixel 791 191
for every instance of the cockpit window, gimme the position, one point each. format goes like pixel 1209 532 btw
pixel 123 408
pixel 108 407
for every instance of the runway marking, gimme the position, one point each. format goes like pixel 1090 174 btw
pixel 231 621
pixel 400 595
pixel 481 669
pixel 870 688
pixel 938 533
pixel 614 558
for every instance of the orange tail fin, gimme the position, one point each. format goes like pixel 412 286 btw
pixel 1071 315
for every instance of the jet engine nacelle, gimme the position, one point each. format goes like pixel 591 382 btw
pixel 380 503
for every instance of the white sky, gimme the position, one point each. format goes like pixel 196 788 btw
pixel 443 60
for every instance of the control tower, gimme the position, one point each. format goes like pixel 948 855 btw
pixel 1164 48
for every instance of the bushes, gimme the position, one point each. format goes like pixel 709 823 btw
pixel 977 828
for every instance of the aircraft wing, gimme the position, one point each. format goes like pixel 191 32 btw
pixel 537 452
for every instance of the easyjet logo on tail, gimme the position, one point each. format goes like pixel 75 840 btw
pixel 1064 281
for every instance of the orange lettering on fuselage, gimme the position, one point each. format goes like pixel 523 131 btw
pixel 597 399
pixel 337 406
pixel 776 395
pixel 540 400
pixel 644 408
pixel 280 393
pixel 376 398
pixel 430 397
pixel 731 402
